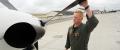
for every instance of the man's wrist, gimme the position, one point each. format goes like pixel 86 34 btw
pixel 89 12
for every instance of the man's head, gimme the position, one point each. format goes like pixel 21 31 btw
pixel 78 17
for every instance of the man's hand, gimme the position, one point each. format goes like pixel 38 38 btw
pixel 84 3
pixel 66 49
pixel 88 10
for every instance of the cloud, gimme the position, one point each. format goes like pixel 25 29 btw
pixel 105 4
pixel 50 5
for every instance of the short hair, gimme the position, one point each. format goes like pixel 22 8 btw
pixel 79 10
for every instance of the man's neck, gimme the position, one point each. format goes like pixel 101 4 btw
pixel 77 25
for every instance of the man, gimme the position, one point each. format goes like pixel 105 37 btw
pixel 78 34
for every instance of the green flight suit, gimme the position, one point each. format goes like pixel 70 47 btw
pixel 78 38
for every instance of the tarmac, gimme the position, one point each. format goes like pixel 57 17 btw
pixel 106 36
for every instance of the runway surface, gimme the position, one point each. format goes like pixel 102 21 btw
pixel 106 36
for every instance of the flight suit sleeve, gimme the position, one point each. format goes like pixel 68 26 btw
pixel 91 23
pixel 67 46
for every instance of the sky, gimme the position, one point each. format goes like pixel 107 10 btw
pixel 43 6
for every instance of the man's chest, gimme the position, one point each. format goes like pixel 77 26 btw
pixel 77 32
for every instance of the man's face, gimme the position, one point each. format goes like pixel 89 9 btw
pixel 78 17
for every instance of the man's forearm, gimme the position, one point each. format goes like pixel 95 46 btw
pixel 89 12
pixel 87 8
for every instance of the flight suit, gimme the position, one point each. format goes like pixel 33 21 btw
pixel 78 37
